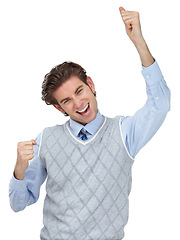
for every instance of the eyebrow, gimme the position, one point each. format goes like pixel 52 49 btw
pixel 68 97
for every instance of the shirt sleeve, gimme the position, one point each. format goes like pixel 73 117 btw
pixel 138 129
pixel 25 192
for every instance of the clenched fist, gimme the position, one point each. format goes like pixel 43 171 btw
pixel 25 153
pixel 132 24
pixel 133 29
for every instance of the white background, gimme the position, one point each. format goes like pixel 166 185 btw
pixel 36 36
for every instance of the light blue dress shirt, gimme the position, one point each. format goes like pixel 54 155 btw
pixel 91 127
pixel 136 130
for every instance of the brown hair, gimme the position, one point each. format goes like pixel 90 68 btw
pixel 57 76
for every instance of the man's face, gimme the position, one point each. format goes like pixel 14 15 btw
pixel 77 100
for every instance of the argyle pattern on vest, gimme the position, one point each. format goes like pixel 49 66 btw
pixel 88 183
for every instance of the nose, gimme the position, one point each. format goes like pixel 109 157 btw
pixel 77 103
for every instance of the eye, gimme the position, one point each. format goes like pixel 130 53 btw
pixel 79 91
pixel 66 101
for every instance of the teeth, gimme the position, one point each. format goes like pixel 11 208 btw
pixel 83 110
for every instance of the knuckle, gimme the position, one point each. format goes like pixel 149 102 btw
pixel 31 156
pixel 31 151
pixel 137 14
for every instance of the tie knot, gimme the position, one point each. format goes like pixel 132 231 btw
pixel 83 133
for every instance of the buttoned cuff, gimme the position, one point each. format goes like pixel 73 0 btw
pixel 18 185
pixel 152 74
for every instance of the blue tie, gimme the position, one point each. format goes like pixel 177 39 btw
pixel 83 134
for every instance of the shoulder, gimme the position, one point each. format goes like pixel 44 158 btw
pixel 53 129
pixel 114 122
pixel 52 132
pixel 116 119
pixel 50 136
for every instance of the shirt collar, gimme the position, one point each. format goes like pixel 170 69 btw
pixel 91 127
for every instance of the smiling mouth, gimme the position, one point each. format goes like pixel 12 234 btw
pixel 84 110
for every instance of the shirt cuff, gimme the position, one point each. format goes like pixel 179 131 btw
pixel 152 74
pixel 18 185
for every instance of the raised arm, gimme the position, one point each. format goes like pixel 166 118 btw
pixel 138 129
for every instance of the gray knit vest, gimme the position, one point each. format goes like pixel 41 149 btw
pixel 88 183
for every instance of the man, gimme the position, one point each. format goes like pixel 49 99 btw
pixel 88 160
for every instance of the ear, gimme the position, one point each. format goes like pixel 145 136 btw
pixel 91 84
pixel 59 108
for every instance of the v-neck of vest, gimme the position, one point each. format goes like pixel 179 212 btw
pixel 88 140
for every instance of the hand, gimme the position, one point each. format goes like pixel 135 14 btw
pixel 132 25
pixel 24 154
pixel 133 30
